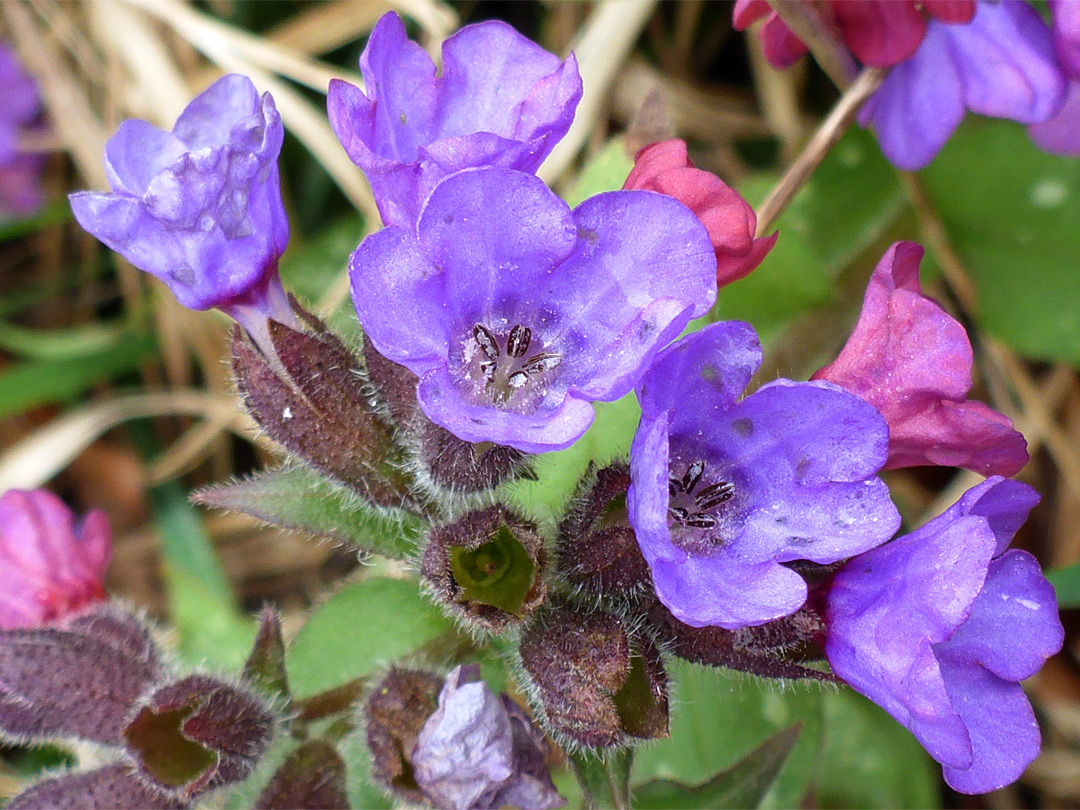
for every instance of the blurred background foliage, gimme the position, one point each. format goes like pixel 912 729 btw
pixel 118 398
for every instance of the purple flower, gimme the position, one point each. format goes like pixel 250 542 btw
pixel 500 100
pixel 1061 134
pixel 724 492
pixel 20 173
pixel 1001 64
pixel 912 361
pixel 50 565
pixel 940 626
pixel 479 751
pixel 516 312
pixel 200 207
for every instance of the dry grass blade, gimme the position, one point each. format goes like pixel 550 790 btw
pixel 601 48
pixel 211 36
pixel 42 454
pixel 162 90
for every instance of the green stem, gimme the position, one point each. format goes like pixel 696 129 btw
pixel 605 777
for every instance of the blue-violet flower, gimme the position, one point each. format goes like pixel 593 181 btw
pixel 516 312
pixel 940 626
pixel 20 173
pixel 1061 134
pixel 200 207
pixel 500 100
pixel 1001 64
pixel 480 751
pixel 725 492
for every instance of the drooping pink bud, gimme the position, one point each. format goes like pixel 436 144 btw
pixel 730 221
pixel 909 359
pixel 50 564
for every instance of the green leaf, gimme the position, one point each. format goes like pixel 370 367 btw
pixel 1066 582
pixel 36 382
pixel 361 629
pixel 604 171
pixel 720 717
pixel 60 344
pixel 1011 212
pixel 742 785
pixel 202 606
pixel 871 761
pixel 299 498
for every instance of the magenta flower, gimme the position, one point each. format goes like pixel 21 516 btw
pixel 1001 65
pixel 940 626
pixel 20 173
pixel 516 313
pixel 880 33
pixel 50 564
pixel 725 491
pixel 500 100
pixel 200 207
pixel 480 751
pixel 729 219
pixel 909 359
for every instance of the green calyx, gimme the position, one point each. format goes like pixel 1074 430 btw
pixel 499 573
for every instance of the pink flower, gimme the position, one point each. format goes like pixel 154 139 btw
pixel 880 33
pixel 909 359
pixel 728 218
pixel 50 566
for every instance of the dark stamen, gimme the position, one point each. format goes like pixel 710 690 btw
pixel 700 520
pixel 542 363
pixel 715 494
pixel 518 342
pixel 679 515
pixel 518 379
pixel 674 486
pixel 486 342
pixel 693 475
pixel 487 368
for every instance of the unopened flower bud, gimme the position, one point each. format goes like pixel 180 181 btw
pixel 395 713
pixel 310 399
pixel 767 650
pixel 597 550
pixel 597 681
pixel 50 565
pixel 486 567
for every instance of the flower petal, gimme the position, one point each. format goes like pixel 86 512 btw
pixel 912 361
pixel 1014 624
pixel 724 592
pixel 1000 723
pixel 708 369
pixel 1060 135
pixel 1005 58
pixel 398 295
pixel 880 32
pixel 136 153
pixel 212 116
pixel 540 432
pixel 919 105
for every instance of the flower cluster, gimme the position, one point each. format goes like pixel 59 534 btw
pixel 997 59
pixel 742 527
